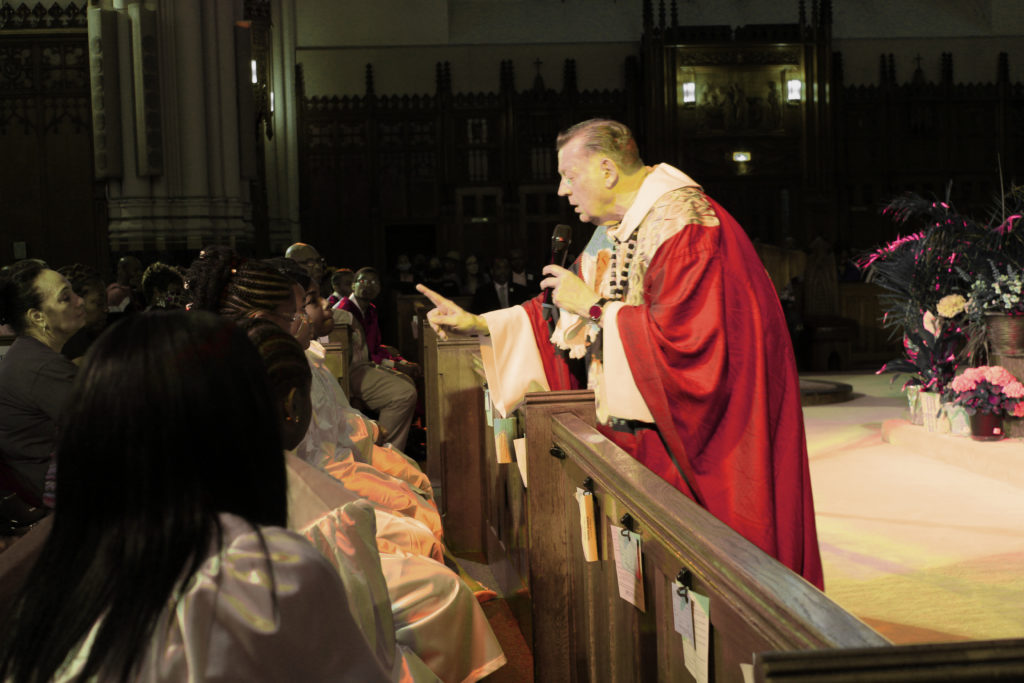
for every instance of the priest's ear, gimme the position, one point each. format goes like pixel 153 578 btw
pixel 610 170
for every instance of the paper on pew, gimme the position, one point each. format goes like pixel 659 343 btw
pixel 588 526
pixel 504 434
pixel 629 566
pixel 520 449
pixel 696 656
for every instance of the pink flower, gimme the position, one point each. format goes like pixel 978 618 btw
pixel 1014 389
pixel 997 374
pixel 964 382
pixel 1018 410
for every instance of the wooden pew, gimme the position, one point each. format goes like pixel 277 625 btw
pixel 410 309
pixel 453 399
pixel 338 355
pixel 584 631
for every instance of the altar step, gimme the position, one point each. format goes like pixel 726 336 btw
pixel 1002 460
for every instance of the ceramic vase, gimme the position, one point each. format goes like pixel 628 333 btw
pixel 914 404
pixel 931 411
pixel 986 427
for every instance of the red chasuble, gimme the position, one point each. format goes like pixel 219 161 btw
pixel 710 353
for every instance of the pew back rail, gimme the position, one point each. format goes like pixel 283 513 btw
pixel 757 604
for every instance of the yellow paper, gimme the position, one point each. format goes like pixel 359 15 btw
pixel 588 527
pixel 520 448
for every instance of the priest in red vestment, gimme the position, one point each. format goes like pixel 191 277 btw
pixel 670 305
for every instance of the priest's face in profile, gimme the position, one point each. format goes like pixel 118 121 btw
pixel 586 182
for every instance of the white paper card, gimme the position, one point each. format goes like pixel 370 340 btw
pixel 588 527
pixel 682 612
pixel 488 408
pixel 748 672
pixel 696 657
pixel 629 566
pixel 520 449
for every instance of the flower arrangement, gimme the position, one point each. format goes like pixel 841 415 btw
pixel 929 352
pixel 989 389
pixel 973 268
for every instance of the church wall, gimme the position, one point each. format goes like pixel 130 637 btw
pixel 403 41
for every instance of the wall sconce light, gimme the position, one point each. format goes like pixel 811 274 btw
pixel 255 73
pixel 689 92
pixel 271 101
pixel 794 89
pixel 741 157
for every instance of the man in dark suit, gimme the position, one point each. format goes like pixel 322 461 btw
pixel 500 292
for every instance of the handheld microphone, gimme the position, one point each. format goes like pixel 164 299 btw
pixel 561 238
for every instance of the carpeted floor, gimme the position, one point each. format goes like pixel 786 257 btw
pixel 922 535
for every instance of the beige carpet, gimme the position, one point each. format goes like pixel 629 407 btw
pixel 922 535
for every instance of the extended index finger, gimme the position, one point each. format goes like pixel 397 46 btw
pixel 434 297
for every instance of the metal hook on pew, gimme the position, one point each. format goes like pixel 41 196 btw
pixel 683 578
pixel 557 452
pixel 628 524
pixel 588 485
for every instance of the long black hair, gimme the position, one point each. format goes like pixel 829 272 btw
pixel 170 423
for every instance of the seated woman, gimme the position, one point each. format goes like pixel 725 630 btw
pixel 336 419
pixel 168 559
pixel 222 282
pixel 35 379
pixel 418 612
pixel 88 284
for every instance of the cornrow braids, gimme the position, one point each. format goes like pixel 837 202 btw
pixel 222 282
pixel 282 356
pixel 291 269
pixel 81 277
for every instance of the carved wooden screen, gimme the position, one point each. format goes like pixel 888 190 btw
pixel 50 207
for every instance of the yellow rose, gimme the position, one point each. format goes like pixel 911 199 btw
pixel 951 305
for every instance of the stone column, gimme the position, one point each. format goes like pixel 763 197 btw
pixel 282 157
pixel 185 136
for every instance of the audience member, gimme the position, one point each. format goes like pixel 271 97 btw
pixel 520 275
pixel 219 280
pixel 418 614
pixel 450 265
pixel 188 572
pixel 35 379
pixel 500 292
pixel 379 376
pixel 434 278
pixel 404 279
pixel 123 295
pixel 341 286
pixel 87 283
pixel 473 277
pixel 307 257
pixel 163 286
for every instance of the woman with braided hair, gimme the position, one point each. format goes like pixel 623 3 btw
pixel 421 618
pixel 335 421
pixel 222 282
